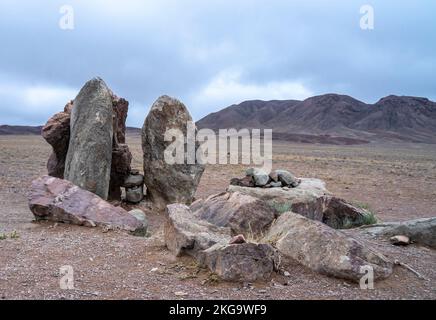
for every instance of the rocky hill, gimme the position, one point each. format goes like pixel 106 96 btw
pixel 333 118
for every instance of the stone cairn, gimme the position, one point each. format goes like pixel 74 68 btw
pixel 257 178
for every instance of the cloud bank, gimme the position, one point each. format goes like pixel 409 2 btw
pixel 211 54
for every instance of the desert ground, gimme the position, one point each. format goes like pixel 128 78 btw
pixel 395 181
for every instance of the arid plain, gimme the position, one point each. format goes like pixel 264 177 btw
pixel 395 181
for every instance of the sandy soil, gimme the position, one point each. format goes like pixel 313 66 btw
pixel 397 182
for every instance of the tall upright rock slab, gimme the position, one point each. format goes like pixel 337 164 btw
pixel 89 157
pixel 168 183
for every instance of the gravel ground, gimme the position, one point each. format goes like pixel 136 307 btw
pixel 396 182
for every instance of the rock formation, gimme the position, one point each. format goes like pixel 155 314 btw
pixel 312 200
pixel 210 245
pixel 167 183
pixel 236 233
pixel 60 200
pixel 57 133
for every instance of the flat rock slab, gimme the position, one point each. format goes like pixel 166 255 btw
pixel 309 190
pixel 421 231
pixel 60 200
pixel 89 157
pixel 325 250
pixel 243 214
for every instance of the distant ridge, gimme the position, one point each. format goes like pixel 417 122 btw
pixel 36 130
pixel 333 118
pixel 19 130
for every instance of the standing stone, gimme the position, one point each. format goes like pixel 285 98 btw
pixel 167 183
pixel 89 158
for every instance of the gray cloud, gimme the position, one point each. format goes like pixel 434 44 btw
pixel 211 53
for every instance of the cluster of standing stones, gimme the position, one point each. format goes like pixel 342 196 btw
pixel 241 234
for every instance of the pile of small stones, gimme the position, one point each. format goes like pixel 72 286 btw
pixel 134 186
pixel 258 178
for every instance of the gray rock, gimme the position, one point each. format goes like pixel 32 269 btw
pixel 184 233
pixel 61 201
pixel 260 177
pixel 421 231
pixel 134 180
pixel 89 157
pixel 287 178
pixel 167 183
pixel 276 184
pixel 242 213
pixel 240 262
pixel 140 216
pixel 325 250
pixel 244 182
pixel 135 194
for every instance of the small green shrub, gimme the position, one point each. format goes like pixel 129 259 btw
pixel 370 217
pixel 14 235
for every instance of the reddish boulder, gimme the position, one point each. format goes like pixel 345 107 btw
pixel 57 133
pixel 59 200
pixel 121 107
pixel 120 170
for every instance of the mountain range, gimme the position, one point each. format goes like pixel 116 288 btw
pixel 326 119
pixel 333 118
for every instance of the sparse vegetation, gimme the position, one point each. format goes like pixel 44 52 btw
pixel 370 217
pixel 281 207
pixel 212 279
pixel 13 235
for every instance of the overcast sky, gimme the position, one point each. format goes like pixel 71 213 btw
pixel 211 53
